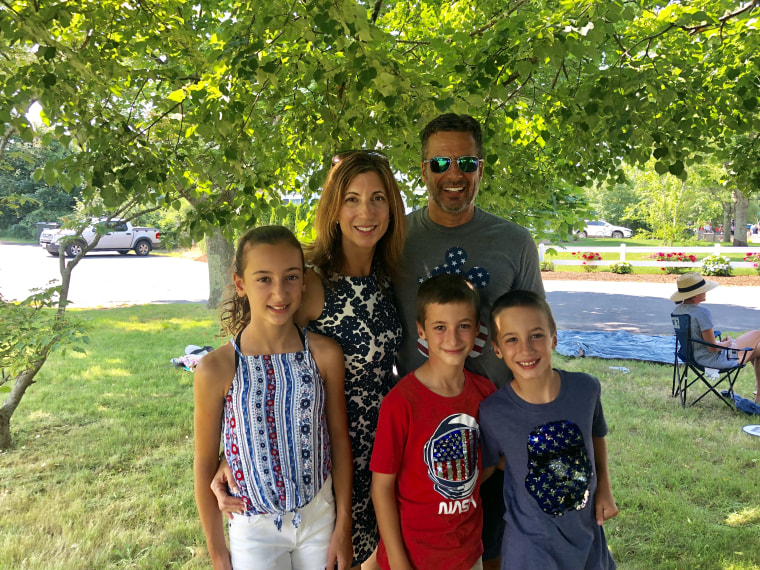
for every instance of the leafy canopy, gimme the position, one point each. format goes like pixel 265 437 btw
pixel 230 103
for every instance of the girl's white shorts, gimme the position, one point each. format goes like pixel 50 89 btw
pixel 255 542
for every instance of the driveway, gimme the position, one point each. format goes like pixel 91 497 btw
pixel 105 279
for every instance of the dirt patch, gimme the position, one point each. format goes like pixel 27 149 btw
pixel 734 281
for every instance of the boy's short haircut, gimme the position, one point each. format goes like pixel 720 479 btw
pixel 521 298
pixel 444 289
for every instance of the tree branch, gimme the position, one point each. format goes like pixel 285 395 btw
pixel 376 11
pixel 153 124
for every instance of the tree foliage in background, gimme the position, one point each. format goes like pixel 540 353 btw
pixel 663 206
pixel 23 202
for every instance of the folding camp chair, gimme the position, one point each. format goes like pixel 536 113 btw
pixel 683 362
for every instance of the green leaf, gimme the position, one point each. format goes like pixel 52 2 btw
pixel 367 75
pixel 677 168
pixel 386 84
pixel 660 167
pixel 179 95
pixel 50 175
pixel 49 80
pixel 65 182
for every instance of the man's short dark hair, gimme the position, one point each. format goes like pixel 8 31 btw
pixel 444 289
pixel 451 122
pixel 521 298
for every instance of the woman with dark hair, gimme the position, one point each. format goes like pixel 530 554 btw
pixel 360 232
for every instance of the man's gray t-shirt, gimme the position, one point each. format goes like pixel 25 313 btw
pixel 494 254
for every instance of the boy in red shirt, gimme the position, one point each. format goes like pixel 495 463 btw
pixel 426 461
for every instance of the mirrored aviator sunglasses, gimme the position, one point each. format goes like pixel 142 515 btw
pixel 439 164
pixel 369 153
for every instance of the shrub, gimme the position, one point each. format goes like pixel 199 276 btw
pixel 716 265
pixel 754 257
pixel 621 267
pixel 589 257
pixel 546 266
pixel 674 257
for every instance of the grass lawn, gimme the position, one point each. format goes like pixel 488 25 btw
pixel 101 472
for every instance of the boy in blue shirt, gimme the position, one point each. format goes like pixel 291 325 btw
pixel 548 428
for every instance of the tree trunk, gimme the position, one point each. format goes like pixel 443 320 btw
pixel 740 219
pixel 728 209
pixel 221 254
pixel 23 381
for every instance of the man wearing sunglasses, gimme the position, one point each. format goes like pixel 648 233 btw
pixel 452 235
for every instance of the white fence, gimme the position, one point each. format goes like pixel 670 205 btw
pixel 622 249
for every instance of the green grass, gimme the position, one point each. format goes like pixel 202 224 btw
pixel 101 472
pixel 6 237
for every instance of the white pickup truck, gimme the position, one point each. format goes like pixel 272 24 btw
pixel 117 235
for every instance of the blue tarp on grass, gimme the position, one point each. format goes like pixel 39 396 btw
pixel 616 344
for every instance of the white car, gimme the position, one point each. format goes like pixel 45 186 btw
pixel 603 229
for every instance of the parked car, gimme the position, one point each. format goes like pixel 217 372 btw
pixel 601 228
pixel 117 235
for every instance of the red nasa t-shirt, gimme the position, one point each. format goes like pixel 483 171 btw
pixel 432 443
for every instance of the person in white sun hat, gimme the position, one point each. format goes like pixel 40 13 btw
pixel 692 290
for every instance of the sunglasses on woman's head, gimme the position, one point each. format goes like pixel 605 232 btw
pixel 370 153
pixel 439 164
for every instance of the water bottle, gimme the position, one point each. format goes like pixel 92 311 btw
pixel 622 369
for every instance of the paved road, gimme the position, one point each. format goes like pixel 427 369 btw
pixel 643 308
pixel 105 279
pixel 109 279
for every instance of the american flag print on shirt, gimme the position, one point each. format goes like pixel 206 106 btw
pixel 455 259
pixel 451 456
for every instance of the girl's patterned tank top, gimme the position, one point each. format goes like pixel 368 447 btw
pixel 275 431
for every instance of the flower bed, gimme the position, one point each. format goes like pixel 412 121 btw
pixel 678 257
pixel 589 257
pixel 754 257
pixel 716 265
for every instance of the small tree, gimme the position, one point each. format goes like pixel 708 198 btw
pixel 32 329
